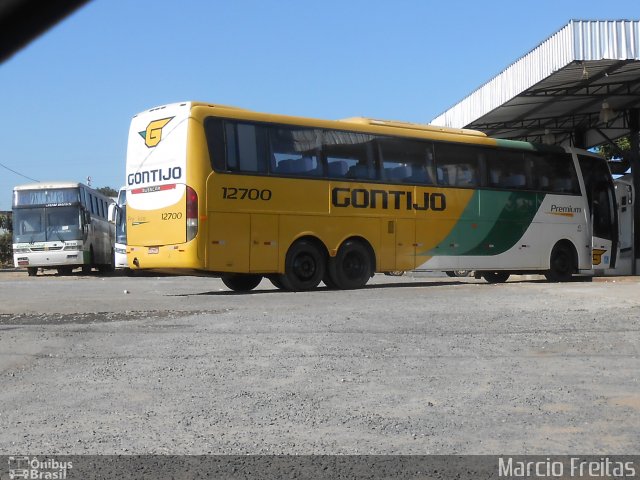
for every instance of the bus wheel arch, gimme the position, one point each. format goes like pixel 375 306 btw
pixel 241 282
pixel 305 264
pixel 353 265
pixel 563 261
pixel 498 276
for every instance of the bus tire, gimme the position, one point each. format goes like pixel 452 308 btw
pixel 32 271
pixel 241 282
pixel 496 277
pixel 304 266
pixel 352 267
pixel 64 270
pixel 562 263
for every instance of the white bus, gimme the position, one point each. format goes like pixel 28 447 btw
pixel 121 230
pixel 62 226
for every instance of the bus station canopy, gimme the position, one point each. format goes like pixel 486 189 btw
pixel 578 87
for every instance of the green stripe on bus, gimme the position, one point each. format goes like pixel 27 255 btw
pixel 504 219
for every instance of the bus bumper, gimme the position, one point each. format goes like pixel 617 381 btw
pixel 166 256
pixel 48 259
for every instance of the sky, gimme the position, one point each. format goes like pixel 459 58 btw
pixel 66 100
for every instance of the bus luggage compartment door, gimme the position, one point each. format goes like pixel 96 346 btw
pixel 228 242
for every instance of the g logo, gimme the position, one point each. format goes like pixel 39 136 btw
pixel 597 255
pixel 153 134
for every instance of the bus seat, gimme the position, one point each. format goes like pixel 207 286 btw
pixel 515 180
pixel 338 168
pixel 285 166
pixel 400 173
pixel 562 185
pixel 494 178
pixel 303 165
pixel 543 183
pixel 358 171
pixel 419 175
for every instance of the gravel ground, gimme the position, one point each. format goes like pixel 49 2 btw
pixel 419 364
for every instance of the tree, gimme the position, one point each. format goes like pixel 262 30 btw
pixel 611 151
pixel 616 154
pixel 107 191
pixel 6 252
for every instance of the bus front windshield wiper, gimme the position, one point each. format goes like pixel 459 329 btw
pixel 57 232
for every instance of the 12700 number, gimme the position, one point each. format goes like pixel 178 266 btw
pixel 232 193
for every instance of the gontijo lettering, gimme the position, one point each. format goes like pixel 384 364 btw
pixel 156 175
pixel 387 199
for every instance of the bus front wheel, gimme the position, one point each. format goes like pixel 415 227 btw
pixel 352 267
pixel 561 264
pixel 304 266
pixel 32 271
pixel 240 282
pixel 495 277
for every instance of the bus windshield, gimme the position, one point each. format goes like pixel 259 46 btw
pixel 44 224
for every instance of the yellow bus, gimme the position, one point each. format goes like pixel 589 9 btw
pixel 247 195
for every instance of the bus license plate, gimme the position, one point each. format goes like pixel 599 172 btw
pixel 154 250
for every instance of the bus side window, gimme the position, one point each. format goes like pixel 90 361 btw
pixel 564 177
pixel 294 151
pixel 405 161
pixel 356 149
pixel 459 165
pixel 507 169
pixel 215 133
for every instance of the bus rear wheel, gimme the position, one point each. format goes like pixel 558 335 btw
pixel 32 271
pixel 352 267
pixel 562 264
pixel 495 277
pixel 241 282
pixel 304 267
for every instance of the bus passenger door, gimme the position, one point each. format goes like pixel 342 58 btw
pixel 264 243
pixel 228 247
pixel 604 221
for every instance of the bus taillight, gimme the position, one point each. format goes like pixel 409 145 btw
pixel 192 213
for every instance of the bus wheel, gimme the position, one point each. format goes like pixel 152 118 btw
pixel 240 282
pixel 64 270
pixel 352 266
pixel 495 277
pixel 458 273
pixel 561 264
pixel 304 267
pixel 32 271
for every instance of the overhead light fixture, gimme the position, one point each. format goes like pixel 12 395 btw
pixel 606 112
pixel 548 138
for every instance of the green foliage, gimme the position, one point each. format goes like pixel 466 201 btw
pixel 6 253
pixel 5 222
pixel 609 151
pixel 107 191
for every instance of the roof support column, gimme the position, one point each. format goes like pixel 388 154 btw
pixel 634 130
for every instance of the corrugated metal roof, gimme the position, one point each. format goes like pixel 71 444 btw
pixel 556 85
